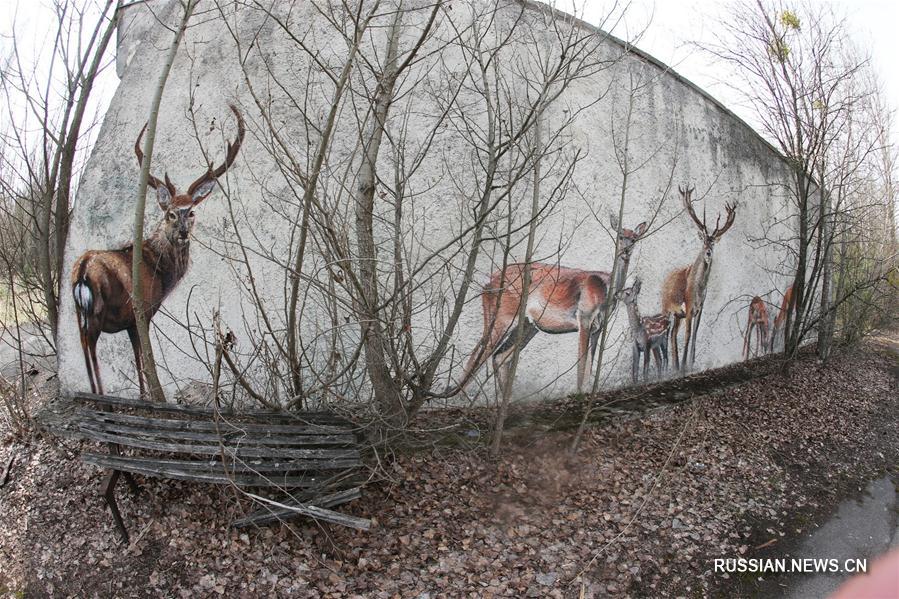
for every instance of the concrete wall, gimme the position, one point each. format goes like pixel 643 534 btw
pixel 678 135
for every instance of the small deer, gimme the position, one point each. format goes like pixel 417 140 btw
pixel 758 320
pixel 650 333
pixel 683 292
pixel 101 279
pixel 781 318
pixel 559 300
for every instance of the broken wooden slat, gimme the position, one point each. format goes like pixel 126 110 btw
pixel 241 451
pixel 205 425
pixel 148 467
pixel 250 466
pixel 232 437
pixel 298 417
pixel 269 515
pixel 318 513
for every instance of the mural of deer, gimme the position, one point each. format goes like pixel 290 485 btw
pixel 683 292
pixel 101 279
pixel 758 320
pixel 781 319
pixel 559 300
pixel 650 333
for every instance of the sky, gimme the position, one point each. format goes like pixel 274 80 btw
pixel 669 27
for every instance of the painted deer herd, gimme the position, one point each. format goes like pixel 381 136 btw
pixel 557 299
pixel 568 300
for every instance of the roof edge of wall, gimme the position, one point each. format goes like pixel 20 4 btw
pixel 541 6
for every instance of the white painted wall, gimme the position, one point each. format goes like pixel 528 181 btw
pixel 682 135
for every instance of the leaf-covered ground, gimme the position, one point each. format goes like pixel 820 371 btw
pixel 643 508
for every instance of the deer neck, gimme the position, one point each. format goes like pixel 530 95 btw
pixel 621 265
pixel 633 316
pixel 169 262
pixel 699 276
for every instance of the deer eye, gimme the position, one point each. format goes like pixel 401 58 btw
pixel 171 216
pixel 190 214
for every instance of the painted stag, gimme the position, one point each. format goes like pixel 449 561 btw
pixel 559 300
pixel 683 292
pixel 781 319
pixel 650 334
pixel 102 280
pixel 758 321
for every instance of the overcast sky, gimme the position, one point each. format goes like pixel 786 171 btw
pixel 672 24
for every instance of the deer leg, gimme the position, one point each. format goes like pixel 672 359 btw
pixel 657 356
pixel 674 331
pixel 646 361
pixel 138 358
pixel 584 369
pixel 688 328
pixel 696 322
pixel 502 364
pixel 746 338
pixel 85 347
pixel 92 347
pixel 635 362
pixel 664 348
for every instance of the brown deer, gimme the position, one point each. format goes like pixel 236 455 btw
pixel 781 318
pixel 683 292
pixel 650 333
pixel 758 320
pixel 101 279
pixel 559 300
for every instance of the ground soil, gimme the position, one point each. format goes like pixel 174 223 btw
pixel 735 462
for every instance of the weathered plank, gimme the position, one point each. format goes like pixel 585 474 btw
pixel 91 432
pixel 151 468
pixel 297 417
pixel 250 466
pixel 270 515
pixel 232 437
pixel 206 425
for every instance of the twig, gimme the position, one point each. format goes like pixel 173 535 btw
pixel 140 536
pixel 5 476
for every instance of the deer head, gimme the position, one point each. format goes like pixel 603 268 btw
pixel 629 295
pixel 627 237
pixel 708 239
pixel 178 209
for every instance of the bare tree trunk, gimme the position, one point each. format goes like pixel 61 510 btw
pixel 386 391
pixel 506 391
pixel 149 363
pixel 827 316
pixel 609 301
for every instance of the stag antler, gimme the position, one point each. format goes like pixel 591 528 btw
pixel 231 153
pixel 151 180
pixel 688 204
pixel 731 214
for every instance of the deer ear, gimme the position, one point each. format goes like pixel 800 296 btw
pixel 701 235
pixel 613 220
pixel 163 197
pixel 641 229
pixel 202 191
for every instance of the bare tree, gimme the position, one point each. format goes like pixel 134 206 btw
pixel 47 100
pixel 371 116
pixel 804 83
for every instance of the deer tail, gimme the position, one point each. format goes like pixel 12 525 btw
pixel 83 294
